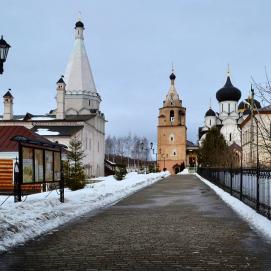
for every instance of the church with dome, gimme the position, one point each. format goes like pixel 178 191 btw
pixel 230 116
pixel 77 112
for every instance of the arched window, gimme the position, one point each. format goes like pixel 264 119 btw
pixel 210 122
pixel 180 116
pixel 171 116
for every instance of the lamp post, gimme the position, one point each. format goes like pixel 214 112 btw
pixel 241 164
pixel 146 149
pixel 4 47
pixel 155 153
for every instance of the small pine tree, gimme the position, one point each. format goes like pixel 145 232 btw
pixel 120 172
pixel 214 151
pixel 76 175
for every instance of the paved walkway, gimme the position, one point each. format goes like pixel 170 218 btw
pixel 176 224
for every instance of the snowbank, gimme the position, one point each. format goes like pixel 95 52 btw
pixel 255 220
pixel 184 172
pixel 43 212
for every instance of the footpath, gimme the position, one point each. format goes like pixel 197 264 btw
pixel 176 224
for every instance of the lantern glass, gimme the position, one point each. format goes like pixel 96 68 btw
pixel 4 47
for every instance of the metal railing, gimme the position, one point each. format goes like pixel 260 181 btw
pixel 250 185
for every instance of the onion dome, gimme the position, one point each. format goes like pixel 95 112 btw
pixel 246 112
pixel 210 113
pixel 79 24
pixel 172 76
pixel 241 106
pixel 245 104
pixel 228 92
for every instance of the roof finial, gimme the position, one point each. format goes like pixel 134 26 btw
pixel 228 71
pixel 210 102
pixel 79 15
pixel 172 66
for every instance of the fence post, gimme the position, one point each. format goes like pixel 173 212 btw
pixel 61 182
pixel 257 190
pixel 231 178
pixel 241 184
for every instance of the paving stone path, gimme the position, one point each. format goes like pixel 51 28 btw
pixel 175 224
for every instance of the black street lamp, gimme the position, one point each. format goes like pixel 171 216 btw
pixel 4 47
pixel 147 150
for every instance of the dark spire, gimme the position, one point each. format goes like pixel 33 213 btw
pixel 8 94
pixel 61 80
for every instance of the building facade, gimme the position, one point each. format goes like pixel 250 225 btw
pixel 256 138
pixel 77 112
pixel 171 132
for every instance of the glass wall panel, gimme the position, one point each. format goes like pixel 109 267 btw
pixel 57 165
pixel 48 166
pixel 39 165
pixel 27 165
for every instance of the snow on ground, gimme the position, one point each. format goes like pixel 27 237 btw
pixel 184 172
pixel 43 212
pixel 255 220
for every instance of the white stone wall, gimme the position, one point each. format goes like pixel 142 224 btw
pixel 80 103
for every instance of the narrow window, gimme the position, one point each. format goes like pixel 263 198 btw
pixel 229 108
pixel 210 123
pixel 230 136
pixel 171 116
pixel 222 108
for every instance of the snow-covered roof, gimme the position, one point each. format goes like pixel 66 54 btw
pixel 46 132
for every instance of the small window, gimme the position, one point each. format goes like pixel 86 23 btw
pixel 230 136
pixel 229 108
pixel 222 108
pixel 171 116
pixel 174 153
pixel 210 122
pixel 172 138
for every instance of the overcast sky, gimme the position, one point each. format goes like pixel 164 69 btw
pixel 131 45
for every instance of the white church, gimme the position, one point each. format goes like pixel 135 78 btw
pixel 230 115
pixel 77 110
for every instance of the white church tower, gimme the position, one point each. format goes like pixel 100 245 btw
pixel 8 106
pixel 60 98
pixel 81 96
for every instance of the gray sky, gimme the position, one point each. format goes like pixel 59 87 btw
pixel 131 45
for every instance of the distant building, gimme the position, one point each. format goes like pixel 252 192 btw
pixel 256 134
pixel 172 137
pixel 230 114
pixel 77 112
